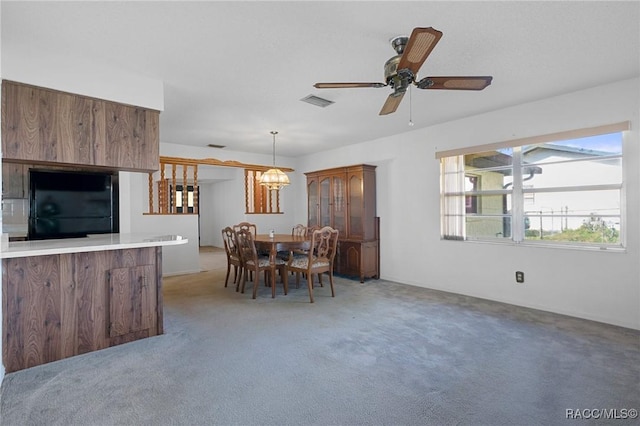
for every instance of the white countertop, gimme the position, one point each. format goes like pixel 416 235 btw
pixel 98 242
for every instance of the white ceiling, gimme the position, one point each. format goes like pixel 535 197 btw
pixel 234 71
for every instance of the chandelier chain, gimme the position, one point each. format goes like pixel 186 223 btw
pixel 274 133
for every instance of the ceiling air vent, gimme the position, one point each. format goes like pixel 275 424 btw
pixel 317 101
pixel 212 145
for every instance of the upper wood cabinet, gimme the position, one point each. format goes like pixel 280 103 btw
pixel 50 127
pixel 344 198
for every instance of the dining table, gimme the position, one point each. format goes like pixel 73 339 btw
pixel 278 243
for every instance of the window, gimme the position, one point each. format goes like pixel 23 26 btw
pixel 179 199
pixel 258 198
pixel 563 189
pixel 471 186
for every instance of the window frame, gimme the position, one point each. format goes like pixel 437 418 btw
pixel 518 192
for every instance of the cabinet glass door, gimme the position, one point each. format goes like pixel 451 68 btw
pixel 325 207
pixel 312 201
pixel 339 205
pixel 356 204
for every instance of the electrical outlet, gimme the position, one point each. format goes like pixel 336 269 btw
pixel 519 276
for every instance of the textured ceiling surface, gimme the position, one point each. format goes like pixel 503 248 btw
pixel 234 71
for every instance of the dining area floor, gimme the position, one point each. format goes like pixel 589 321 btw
pixel 378 353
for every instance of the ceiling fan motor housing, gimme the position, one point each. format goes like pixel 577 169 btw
pixel 391 68
pixel 399 80
pixel 399 43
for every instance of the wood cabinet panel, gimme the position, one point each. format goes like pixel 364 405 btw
pixel 130 138
pixel 358 259
pixel 14 180
pixel 50 128
pixel 120 128
pixel 58 306
pixel 149 154
pixel 99 136
pixel 47 126
pixel 131 299
pixel 74 130
pixel 87 291
pixel 20 121
pixel 32 318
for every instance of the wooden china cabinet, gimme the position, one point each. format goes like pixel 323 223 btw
pixel 345 199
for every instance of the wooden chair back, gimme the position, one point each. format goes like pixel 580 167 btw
pixel 252 262
pixel 252 227
pixel 324 242
pixel 233 255
pixel 230 244
pixel 246 246
pixel 299 230
pixel 318 260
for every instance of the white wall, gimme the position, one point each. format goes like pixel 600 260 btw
pixel 1 364
pixel 76 75
pixel 181 259
pixel 601 286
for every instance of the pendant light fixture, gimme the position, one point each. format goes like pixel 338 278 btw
pixel 274 178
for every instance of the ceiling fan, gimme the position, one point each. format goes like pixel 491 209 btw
pixel 401 70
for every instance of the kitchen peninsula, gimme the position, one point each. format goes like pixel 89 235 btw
pixel 71 296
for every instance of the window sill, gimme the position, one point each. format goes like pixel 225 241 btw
pixel 607 249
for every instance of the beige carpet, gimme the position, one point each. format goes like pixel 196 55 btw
pixel 212 258
pixel 379 353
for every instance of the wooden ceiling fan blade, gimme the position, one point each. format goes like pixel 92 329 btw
pixel 420 44
pixel 346 85
pixel 391 104
pixel 455 83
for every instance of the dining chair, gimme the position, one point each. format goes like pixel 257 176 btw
pixel 251 227
pixel 318 260
pixel 246 225
pixel 255 263
pixel 301 231
pixel 298 230
pixel 233 256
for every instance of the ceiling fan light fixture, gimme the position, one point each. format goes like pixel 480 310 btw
pixel 274 178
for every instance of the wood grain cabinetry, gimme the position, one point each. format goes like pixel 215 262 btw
pixel 132 293
pixel 345 198
pixel 15 180
pixel 57 306
pixel 359 258
pixel 45 126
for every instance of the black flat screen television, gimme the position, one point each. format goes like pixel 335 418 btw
pixel 64 204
